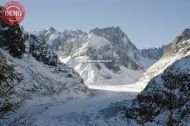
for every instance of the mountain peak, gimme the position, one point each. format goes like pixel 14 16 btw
pixel 186 34
pixel 180 45
pixel 186 31
pixel 116 36
pixel 112 29
pixel 52 30
pixel 113 34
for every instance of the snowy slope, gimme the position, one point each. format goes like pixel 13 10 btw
pixel 41 71
pixel 40 79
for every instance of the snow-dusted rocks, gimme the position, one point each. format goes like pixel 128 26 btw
pixel 45 75
pixel 166 98
pixel 42 73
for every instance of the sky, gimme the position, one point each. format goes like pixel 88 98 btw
pixel 148 23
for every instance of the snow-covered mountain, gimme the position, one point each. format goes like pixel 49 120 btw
pixel 165 100
pixel 154 53
pixel 39 70
pixel 101 56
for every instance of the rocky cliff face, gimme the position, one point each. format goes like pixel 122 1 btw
pixel 117 37
pixel 128 54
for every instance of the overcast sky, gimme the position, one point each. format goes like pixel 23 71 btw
pixel 148 23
